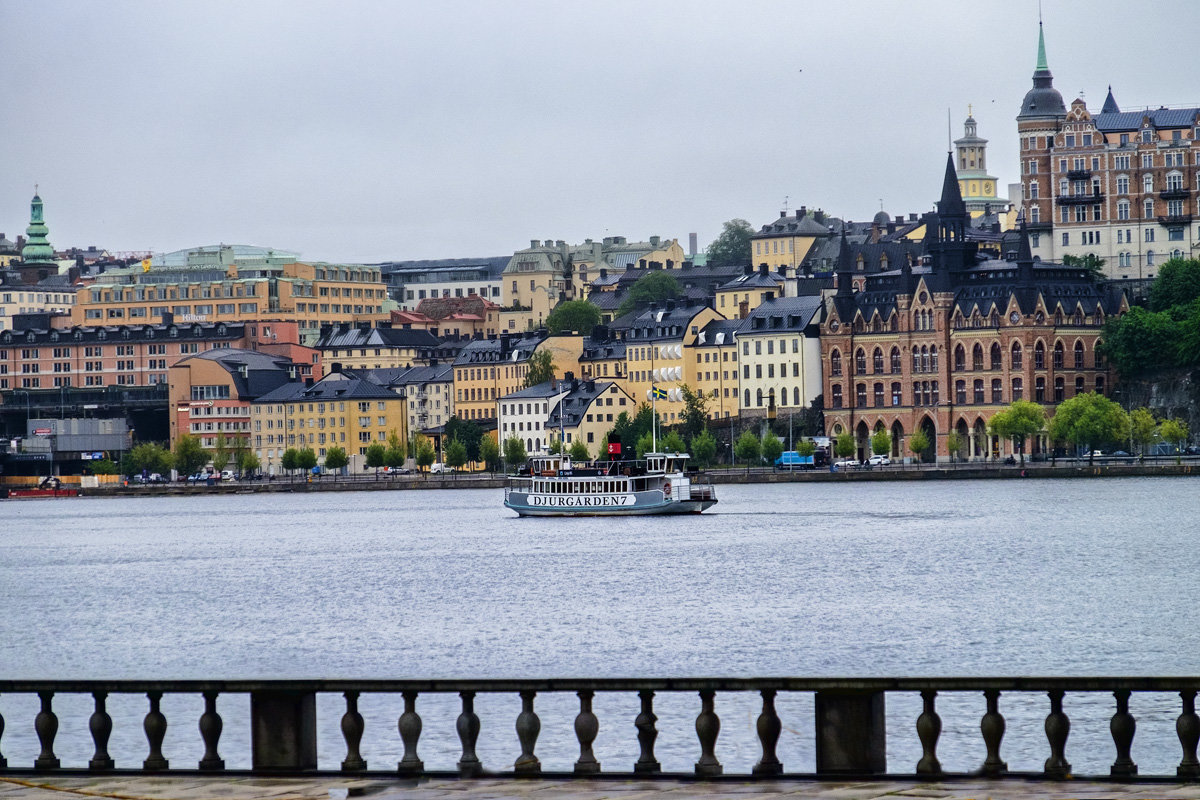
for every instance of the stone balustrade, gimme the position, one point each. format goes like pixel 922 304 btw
pixel 849 722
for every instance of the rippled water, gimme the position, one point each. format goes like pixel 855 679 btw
pixel 942 578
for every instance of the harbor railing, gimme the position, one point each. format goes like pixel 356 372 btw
pixel 849 731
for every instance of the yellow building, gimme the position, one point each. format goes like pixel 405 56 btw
pixel 337 411
pixel 657 352
pixel 735 299
pixel 362 346
pixel 615 255
pixel 488 369
pixel 231 283
pixel 716 365
pixel 783 244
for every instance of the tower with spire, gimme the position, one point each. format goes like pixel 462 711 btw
pixel 37 251
pixel 1039 121
pixel 978 188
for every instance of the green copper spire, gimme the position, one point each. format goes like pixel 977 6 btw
pixel 1041 62
pixel 37 249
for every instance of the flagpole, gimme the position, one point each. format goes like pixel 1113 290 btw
pixel 653 418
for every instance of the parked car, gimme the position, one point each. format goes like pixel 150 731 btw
pixel 1120 454
pixel 440 468
pixel 227 475
pixel 847 463
pixel 396 470
pixel 878 461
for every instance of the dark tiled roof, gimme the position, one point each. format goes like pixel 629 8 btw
pixel 332 387
pixel 254 374
pixel 718 333
pixel 576 404
pixel 347 337
pixel 1159 118
pixel 515 349
pixel 792 314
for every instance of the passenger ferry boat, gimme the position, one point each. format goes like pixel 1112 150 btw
pixel 551 486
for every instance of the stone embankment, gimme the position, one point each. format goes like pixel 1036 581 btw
pixel 487 481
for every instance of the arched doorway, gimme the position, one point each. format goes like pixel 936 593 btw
pixel 964 438
pixel 981 439
pixel 929 454
pixel 863 440
pixel 897 439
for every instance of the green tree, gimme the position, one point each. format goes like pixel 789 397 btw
pixel 290 460
pixel 376 456
pixel 881 442
pixel 579 451
pixel 190 456
pixel 514 452
pixel 748 448
pixel 955 444
pixel 704 448
pixel 844 445
pixel 336 458
pixel 695 411
pixel 103 466
pixel 1175 431
pixel 1089 419
pixel 772 447
pixel 467 432
pixel 1089 262
pixel 394 454
pixel 221 454
pixel 732 247
pixel 146 457
pixel 656 285
pixel 425 454
pixel 541 368
pixel 1177 284
pixel 1142 342
pixel 248 463
pixel 306 459
pixel 918 443
pixel 555 445
pixel 672 443
pixel 456 455
pixel 1018 422
pixel 806 448
pixel 645 444
pixel 573 315
pixel 489 453
pixel 1142 428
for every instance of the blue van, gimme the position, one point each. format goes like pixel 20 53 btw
pixel 790 459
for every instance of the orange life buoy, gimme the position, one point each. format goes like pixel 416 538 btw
pixel 666 490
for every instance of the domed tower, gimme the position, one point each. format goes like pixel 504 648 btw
pixel 1041 117
pixel 978 188
pixel 37 250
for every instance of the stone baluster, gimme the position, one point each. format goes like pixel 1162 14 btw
pixel 646 734
pixel 468 733
pixel 1123 726
pixel 992 727
pixel 1188 729
pixel 352 732
pixel 410 731
pixel 3 760
pixel 929 728
pixel 155 725
pixel 586 728
pixel 100 725
pixel 708 727
pixel 528 728
pixel 769 727
pixel 1058 728
pixel 211 726
pixel 46 725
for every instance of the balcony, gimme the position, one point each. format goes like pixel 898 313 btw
pixel 1079 174
pixel 1175 219
pixel 1039 227
pixel 1175 194
pixel 1079 199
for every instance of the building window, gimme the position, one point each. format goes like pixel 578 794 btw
pixel 1017 389
pixel 960 392
pixel 877 360
pixel 1039 356
pixel 977 358
pixel 860 395
pixel 837 396
pixel 860 362
pixel 896 394
pixel 835 363
pixel 1058 390
pixel 879 395
pixel 1039 390
pixel 1122 210
pixel 896 365
pixel 977 392
pixel 1058 355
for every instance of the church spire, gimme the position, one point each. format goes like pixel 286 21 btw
pixel 1110 103
pixel 37 249
pixel 1042 65
pixel 951 203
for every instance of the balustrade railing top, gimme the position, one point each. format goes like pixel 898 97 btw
pixel 849 720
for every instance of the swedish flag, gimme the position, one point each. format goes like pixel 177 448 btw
pixel 659 394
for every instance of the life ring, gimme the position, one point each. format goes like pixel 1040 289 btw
pixel 667 491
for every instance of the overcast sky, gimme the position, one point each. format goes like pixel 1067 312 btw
pixel 356 131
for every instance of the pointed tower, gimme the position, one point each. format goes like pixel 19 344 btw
pixel 845 268
pixel 1110 104
pixel 1043 100
pixel 37 251
pixel 950 250
pixel 978 188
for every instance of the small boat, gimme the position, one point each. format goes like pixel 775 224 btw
pixel 49 487
pixel 551 486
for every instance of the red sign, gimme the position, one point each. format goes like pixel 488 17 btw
pixel 614 448
pixel 42 431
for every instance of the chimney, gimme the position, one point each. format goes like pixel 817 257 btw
pixel 560 244
pixel 308 382
pixel 802 213
pixel 782 214
pixel 335 368
pixel 433 362
pixel 603 273
pixel 168 318
pixel 748 269
pixel 655 265
pixel 641 263
pixel 686 265
pixel 535 243
pixel 670 305
pixel 600 333
pixel 654 240
pixel 762 269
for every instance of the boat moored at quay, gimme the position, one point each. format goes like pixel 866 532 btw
pixel 552 486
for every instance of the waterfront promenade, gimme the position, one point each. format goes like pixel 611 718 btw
pixel 138 787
